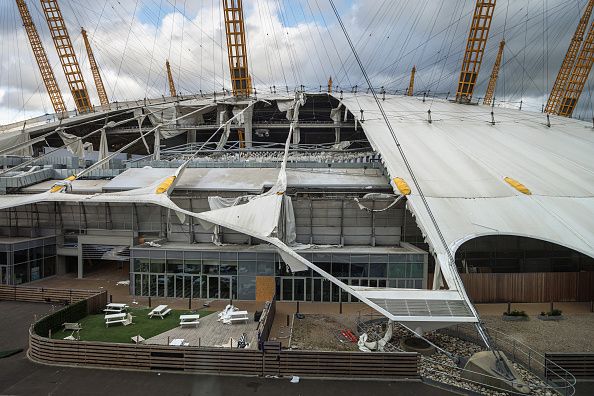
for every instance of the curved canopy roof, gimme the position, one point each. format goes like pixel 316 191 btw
pixel 461 160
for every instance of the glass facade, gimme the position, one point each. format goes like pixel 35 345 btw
pixel 28 261
pixel 232 275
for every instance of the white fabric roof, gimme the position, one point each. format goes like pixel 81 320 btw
pixel 460 161
pixel 249 179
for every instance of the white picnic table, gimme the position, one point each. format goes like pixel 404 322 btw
pixel 115 318
pixel 115 308
pixel 189 319
pixel 177 342
pixel 159 311
pixel 236 316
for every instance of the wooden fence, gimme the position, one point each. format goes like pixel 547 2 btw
pixel 528 287
pixel 271 360
pixel 266 321
pixel 51 295
pixel 580 365
pixel 224 361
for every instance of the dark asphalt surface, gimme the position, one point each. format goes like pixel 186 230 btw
pixel 19 376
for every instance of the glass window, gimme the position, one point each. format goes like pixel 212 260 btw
pixel 49 250
pixel 196 286
pixel 137 284
pixel 326 284
pixel 265 267
pixel 145 285
pixel 20 256
pixel 358 269
pixel 287 289
pixel 299 289
pixel 141 265
pixel 228 268
pixel 378 258
pixel 175 266
pixel 377 270
pixel 225 287
pixel 228 256
pixel 324 266
pixel 49 266
pixel 157 266
pixel 179 286
pixel 210 258
pixel 247 267
pixel 3 258
pixel 36 253
pixel 306 273
pixel 247 287
pixel 160 285
pixel 21 273
pixel 335 294
pixel 340 264
pixel 170 286
pixel 192 266
pixel 35 268
pixel 175 254
pixel 397 258
pixel 397 270
pixel 416 270
pixel 157 254
pixel 210 269
pixel 317 289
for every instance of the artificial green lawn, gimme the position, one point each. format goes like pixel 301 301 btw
pixel 93 326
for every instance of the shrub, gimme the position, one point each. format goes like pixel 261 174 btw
pixel 555 312
pixel 515 312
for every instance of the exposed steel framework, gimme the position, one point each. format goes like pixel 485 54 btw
pixel 411 84
pixel 47 74
pixel 66 53
pixel 236 47
pixel 579 76
pixel 95 69
pixel 170 79
pixel 494 75
pixel 561 82
pixel 475 48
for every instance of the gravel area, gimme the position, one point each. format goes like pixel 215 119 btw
pixel 322 332
pixel 441 368
pixel 573 334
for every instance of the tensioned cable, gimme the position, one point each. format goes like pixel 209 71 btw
pixel 451 260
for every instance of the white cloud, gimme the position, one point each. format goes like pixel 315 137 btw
pixel 289 43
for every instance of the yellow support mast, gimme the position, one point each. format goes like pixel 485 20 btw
pixel 236 48
pixel 47 74
pixel 95 70
pixel 562 80
pixel 475 48
pixel 63 44
pixel 494 75
pixel 170 79
pixel 411 83
pixel 579 76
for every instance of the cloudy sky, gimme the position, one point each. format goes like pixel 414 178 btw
pixel 290 43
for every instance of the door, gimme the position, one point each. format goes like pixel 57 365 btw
pixel 228 287
pixel 213 286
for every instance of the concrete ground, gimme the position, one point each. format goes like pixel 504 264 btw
pixel 19 376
